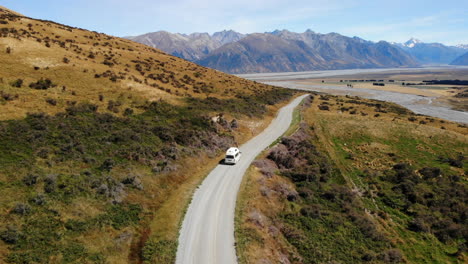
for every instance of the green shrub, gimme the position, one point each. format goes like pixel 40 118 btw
pixel 42 84
pixel 119 216
pixel 10 236
pixel 18 83
pixel 159 251
pixel 73 252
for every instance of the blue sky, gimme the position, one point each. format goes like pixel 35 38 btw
pixel 396 20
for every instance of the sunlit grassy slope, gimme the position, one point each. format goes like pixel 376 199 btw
pixel 89 66
pixel 103 140
pixel 362 181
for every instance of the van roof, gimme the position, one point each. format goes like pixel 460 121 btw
pixel 232 150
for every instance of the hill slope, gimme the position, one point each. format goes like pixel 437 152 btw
pixel 358 181
pixel 89 64
pixel 96 135
pixel 462 60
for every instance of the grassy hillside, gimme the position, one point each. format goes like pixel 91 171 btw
pixel 87 66
pixel 360 181
pixel 104 140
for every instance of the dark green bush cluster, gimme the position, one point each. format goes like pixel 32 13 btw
pixel 84 134
pixel 331 224
pixel 7 97
pixel 436 202
pixel 100 142
pixel 42 84
pixel 382 107
pixel 17 83
pixel 45 235
pixel 159 251
pixel 245 105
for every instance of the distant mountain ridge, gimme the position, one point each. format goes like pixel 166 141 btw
pixel 277 51
pixel 432 53
pixel 462 60
pixel 191 47
pixel 462 46
pixel 283 50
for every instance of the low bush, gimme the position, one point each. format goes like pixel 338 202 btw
pixel 163 251
pixel 42 84
pixel 21 209
pixel 30 179
pixel 11 235
pixel 51 101
pixel 17 83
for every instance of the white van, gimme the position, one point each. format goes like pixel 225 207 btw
pixel 232 156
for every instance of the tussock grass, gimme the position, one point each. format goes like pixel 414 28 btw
pixel 90 64
pixel 372 207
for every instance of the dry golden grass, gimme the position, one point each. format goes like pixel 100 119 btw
pixel 337 124
pixel 132 65
pixel 6 10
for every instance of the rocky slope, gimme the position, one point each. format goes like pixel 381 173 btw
pixel 279 51
pixel 341 52
pixel 282 51
pixel 262 53
pixel 190 47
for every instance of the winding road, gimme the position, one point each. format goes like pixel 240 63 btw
pixel 207 234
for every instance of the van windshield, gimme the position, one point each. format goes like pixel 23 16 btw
pixel 229 157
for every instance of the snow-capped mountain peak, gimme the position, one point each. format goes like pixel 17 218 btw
pixel 462 46
pixel 412 42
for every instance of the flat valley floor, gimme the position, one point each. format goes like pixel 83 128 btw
pixel 403 86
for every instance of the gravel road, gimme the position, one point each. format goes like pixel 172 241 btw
pixel 207 234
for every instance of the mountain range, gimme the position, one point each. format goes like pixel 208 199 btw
pixel 190 47
pixel 462 60
pixel 283 50
pixel 432 53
